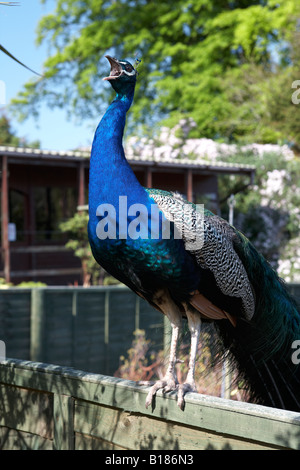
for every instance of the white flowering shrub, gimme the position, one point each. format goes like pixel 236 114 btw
pixel 175 143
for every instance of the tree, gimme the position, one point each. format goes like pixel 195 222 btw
pixel 189 51
pixel 283 98
pixel 76 227
pixel 264 101
pixel 8 136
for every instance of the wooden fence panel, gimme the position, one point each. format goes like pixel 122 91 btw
pixel 121 325
pixel 90 314
pixel 58 326
pixel 152 323
pixel 86 328
pixel 15 321
pixel 50 407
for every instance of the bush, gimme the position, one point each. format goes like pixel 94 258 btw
pixel 144 364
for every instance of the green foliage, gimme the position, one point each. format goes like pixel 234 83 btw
pixel 209 60
pixel 260 106
pixel 8 136
pixel 76 228
pixel 4 284
pixel 284 114
pixel 31 284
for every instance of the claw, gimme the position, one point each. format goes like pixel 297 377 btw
pixel 167 385
pixel 170 388
pixel 182 390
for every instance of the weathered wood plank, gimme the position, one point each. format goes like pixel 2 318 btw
pixel 10 439
pixel 26 410
pixel 138 432
pixel 63 416
pixel 84 442
pixel 233 422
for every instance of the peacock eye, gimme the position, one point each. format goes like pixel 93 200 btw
pixel 128 68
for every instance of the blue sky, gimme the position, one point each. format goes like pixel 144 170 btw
pixel 17 34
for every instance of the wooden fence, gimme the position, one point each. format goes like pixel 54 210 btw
pixel 46 406
pixel 52 407
pixel 85 328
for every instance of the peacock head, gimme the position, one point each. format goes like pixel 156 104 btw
pixel 122 75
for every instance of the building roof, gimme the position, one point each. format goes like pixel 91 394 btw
pixel 64 158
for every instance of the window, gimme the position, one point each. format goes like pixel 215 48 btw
pixel 18 213
pixel 52 206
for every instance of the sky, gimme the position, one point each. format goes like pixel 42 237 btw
pixel 18 35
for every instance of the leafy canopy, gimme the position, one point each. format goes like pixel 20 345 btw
pixel 195 55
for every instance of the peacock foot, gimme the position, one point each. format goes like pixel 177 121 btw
pixel 182 390
pixel 167 384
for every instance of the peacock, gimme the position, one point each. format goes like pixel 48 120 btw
pixel 190 264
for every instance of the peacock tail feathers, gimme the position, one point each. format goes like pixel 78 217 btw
pixel 262 348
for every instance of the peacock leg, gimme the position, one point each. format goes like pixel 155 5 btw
pixel 194 322
pixel 169 382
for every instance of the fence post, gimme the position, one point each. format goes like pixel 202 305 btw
pixel 63 415
pixel 37 326
pixel 74 330
pixel 106 329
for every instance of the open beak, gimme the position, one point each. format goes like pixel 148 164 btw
pixel 115 68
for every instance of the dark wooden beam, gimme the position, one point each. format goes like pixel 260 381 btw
pixel 189 185
pixel 81 184
pixel 5 218
pixel 148 177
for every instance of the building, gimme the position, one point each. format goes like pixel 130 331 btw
pixel 40 188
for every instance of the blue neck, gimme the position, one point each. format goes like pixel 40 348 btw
pixel 110 174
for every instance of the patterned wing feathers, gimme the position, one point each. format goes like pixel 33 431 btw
pixel 216 251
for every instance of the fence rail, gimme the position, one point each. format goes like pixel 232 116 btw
pixel 57 408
